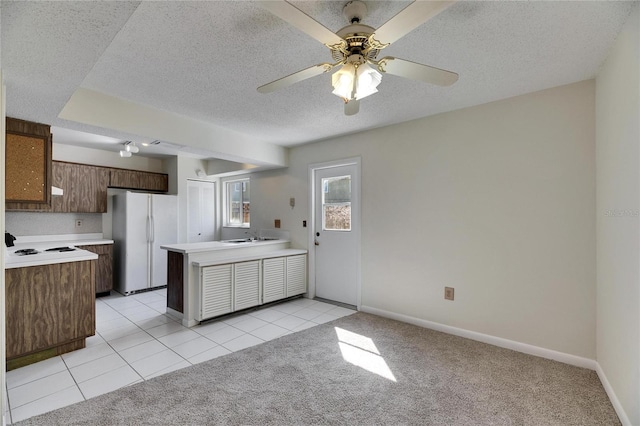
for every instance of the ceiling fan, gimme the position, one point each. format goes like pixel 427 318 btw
pixel 356 46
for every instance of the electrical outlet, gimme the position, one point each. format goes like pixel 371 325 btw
pixel 78 223
pixel 448 293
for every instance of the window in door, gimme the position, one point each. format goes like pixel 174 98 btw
pixel 336 203
pixel 237 202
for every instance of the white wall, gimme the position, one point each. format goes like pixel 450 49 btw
pixel 98 157
pixel 618 224
pixel 37 223
pixel 497 201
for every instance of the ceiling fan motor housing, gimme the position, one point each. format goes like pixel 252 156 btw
pixel 355 11
pixel 357 38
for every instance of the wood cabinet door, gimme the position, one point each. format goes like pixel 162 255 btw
pixel 84 186
pixel 154 182
pixel 48 305
pixel 175 281
pixel 104 266
pixel 135 179
pixel 127 179
pixel 29 291
pixel 27 165
pixel 76 304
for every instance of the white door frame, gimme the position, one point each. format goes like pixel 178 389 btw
pixel 356 225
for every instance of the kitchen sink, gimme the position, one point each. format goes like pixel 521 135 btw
pixel 249 240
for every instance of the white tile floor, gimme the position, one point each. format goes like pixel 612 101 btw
pixel 135 340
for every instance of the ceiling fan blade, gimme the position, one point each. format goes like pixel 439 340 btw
pixel 303 22
pixel 296 77
pixel 407 20
pixel 415 71
pixel 352 107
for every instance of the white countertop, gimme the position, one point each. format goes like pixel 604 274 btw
pixel 46 241
pixel 236 259
pixel 41 243
pixel 13 260
pixel 187 248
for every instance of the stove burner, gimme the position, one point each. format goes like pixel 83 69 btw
pixel 25 252
pixel 61 249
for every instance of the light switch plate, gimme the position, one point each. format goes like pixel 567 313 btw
pixel 448 293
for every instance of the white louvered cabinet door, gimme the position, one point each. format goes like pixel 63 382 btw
pixel 296 275
pixel 216 291
pixel 247 278
pixel 273 279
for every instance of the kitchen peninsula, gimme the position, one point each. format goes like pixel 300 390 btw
pixel 214 278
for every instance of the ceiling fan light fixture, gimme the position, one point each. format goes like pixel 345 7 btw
pixel 355 81
pixel 343 81
pixel 367 81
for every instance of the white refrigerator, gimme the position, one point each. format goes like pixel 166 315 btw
pixel 141 224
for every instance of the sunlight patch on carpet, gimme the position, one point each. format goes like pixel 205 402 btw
pixel 360 351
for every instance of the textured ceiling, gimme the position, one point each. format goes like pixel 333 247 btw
pixel 205 59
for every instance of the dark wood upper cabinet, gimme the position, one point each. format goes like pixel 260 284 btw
pixel 134 179
pixel 84 186
pixel 28 165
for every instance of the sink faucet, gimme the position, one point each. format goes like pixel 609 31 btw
pixel 252 235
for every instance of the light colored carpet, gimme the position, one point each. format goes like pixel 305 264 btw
pixel 419 376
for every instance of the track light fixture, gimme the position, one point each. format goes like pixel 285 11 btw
pixel 129 148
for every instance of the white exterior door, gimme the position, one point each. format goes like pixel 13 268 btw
pixel 336 233
pixel 201 211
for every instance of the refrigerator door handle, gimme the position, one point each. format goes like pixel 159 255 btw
pixel 153 230
pixel 148 229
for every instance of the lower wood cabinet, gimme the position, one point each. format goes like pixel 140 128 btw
pixel 104 266
pixel 49 308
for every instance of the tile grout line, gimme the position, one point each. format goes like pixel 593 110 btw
pixel 292 307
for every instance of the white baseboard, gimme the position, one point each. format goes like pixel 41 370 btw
pixel 622 415
pixel 486 338
pixel 516 346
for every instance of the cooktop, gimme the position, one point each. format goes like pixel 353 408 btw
pixel 27 251
pixel 61 249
